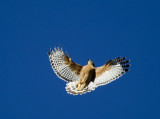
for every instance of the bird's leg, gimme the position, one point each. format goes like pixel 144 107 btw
pixel 83 82
pixel 78 84
pixel 82 86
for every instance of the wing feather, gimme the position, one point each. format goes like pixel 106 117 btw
pixel 111 71
pixel 63 66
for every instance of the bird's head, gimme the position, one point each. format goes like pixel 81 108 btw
pixel 90 62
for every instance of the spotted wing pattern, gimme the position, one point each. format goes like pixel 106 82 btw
pixel 63 66
pixel 111 71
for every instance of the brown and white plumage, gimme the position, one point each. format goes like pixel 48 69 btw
pixel 83 79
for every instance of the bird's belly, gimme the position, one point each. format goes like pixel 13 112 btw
pixel 86 75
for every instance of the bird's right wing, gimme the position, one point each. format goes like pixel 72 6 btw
pixel 111 71
pixel 63 66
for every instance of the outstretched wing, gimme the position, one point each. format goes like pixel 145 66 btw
pixel 111 71
pixel 63 66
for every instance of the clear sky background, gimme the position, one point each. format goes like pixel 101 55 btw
pixel 87 29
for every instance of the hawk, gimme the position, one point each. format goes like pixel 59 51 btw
pixel 83 79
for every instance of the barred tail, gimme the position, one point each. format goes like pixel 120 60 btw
pixel 72 89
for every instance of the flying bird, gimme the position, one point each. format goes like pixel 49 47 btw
pixel 82 79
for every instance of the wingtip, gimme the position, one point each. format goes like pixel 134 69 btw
pixel 126 65
pixel 126 70
pixel 117 58
pixel 55 49
pixel 124 58
pixel 127 61
pixel 49 53
pixel 61 49
pixel 58 48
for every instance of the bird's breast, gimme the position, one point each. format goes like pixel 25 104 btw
pixel 87 69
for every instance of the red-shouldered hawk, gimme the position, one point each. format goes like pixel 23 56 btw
pixel 83 79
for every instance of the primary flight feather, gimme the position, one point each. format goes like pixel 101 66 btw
pixel 82 79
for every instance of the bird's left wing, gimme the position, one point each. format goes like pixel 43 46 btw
pixel 63 66
pixel 111 71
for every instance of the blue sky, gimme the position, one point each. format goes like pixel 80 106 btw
pixel 87 29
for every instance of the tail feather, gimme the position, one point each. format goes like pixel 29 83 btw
pixel 72 89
